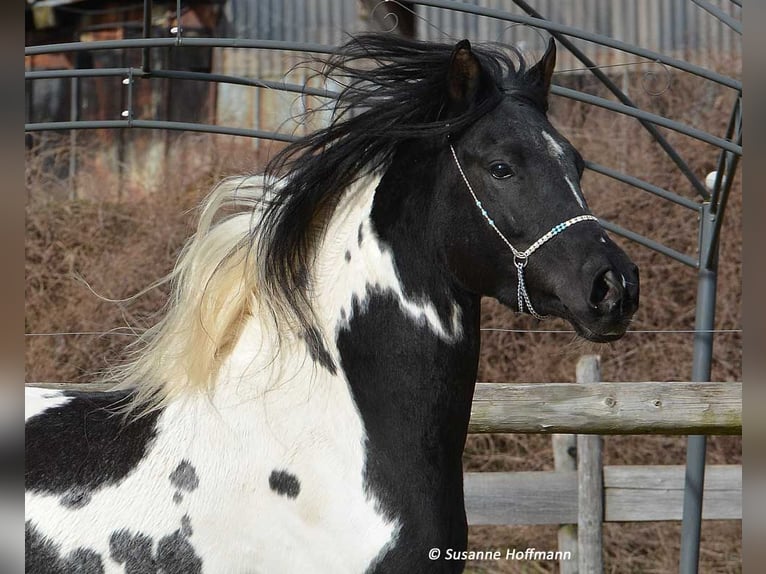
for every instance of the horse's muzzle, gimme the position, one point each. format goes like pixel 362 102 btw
pixel 613 300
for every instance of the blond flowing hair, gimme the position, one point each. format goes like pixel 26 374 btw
pixel 213 286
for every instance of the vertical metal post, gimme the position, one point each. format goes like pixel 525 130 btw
pixel 74 113
pixel 146 62
pixel 703 353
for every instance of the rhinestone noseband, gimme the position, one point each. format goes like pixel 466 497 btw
pixel 520 258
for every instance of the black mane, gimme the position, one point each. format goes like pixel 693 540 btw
pixel 394 90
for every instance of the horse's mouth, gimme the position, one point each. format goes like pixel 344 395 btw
pixel 593 329
pixel 606 332
pixel 600 337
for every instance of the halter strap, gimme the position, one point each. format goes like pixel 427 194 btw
pixel 520 257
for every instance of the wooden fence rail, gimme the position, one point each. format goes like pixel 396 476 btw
pixel 601 408
pixel 631 494
pixel 608 408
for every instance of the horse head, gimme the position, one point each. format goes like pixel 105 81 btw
pixel 515 224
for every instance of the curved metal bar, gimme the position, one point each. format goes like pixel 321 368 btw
pixel 718 209
pixel 325 49
pixel 734 126
pixel 180 41
pixel 270 84
pixel 732 23
pixel 180 75
pixel 565 92
pixel 644 185
pixel 650 243
pixel 81 73
pixel 654 118
pixel 584 35
pixel 282 137
pixel 612 87
pixel 159 124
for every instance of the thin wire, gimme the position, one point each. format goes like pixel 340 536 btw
pixel 489 329
pixel 90 333
pixel 602 66
pixel 662 331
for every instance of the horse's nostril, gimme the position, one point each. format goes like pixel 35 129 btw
pixel 607 290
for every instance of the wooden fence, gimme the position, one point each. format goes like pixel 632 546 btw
pixel 582 493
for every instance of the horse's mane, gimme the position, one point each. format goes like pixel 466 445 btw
pixel 393 90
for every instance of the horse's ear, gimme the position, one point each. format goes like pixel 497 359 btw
pixel 463 78
pixel 540 74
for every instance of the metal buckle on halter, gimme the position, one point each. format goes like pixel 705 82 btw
pixel 520 260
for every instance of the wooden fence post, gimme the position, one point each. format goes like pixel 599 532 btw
pixel 565 460
pixel 590 483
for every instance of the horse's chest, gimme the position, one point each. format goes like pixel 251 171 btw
pixel 277 489
pixel 291 498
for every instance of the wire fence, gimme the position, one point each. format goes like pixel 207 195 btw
pixel 730 148
pixel 133 332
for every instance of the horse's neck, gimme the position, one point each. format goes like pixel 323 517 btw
pixel 383 427
pixel 406 356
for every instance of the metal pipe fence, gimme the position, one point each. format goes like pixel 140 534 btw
pixel 710 210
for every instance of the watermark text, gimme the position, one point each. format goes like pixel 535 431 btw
pixel 495 554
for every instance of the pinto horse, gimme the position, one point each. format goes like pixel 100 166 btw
pixel 303 404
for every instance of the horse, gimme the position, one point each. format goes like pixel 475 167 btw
pixel 303 404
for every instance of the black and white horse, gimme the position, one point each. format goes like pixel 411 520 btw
pixel 303 405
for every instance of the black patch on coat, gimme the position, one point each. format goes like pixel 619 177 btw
pixel 284 483
pixel 132 550
pixel 348 256
pixel 318 351
pixel 178 498
pixel 83 444
pixel 186 528
pixel 175 555
pixel 360 235
pixel 184 477
pixel 412 388
pixel 42 556
pixel 413 392
pixel 75 499
pixel 85 561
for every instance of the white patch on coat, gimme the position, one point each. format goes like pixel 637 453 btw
pixel 575 191
pixel 557 152
pixel 554 147
pixel 269 411
pixel 372 266
pixel 38 400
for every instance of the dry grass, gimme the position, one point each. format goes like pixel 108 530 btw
pixel 119 243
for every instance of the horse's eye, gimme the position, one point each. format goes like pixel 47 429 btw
pixel 500 170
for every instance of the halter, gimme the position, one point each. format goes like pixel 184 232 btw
pixel 520 258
